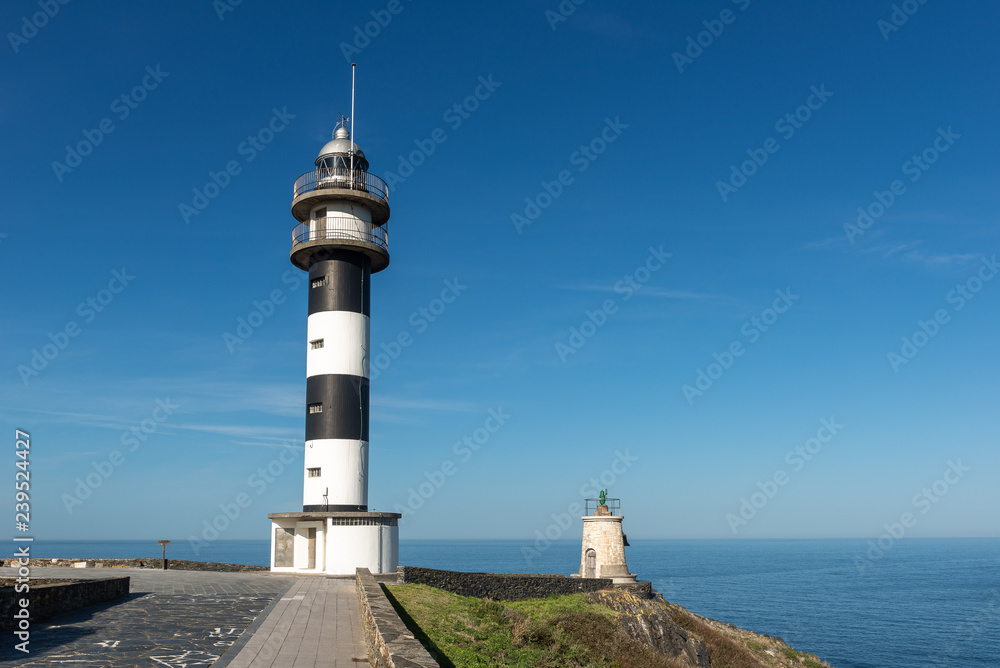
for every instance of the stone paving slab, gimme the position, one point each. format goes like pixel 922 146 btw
pixel 316 623
pixel 171 619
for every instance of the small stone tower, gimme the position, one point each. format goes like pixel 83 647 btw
pixel 603 552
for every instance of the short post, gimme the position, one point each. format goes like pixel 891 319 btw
pixel 164 543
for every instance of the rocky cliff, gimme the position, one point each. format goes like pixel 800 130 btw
pixel 694 640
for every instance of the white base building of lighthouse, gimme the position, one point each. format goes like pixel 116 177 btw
pixel 334 543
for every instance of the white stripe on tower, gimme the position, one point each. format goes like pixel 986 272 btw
pixel 344 467
pixel 345 343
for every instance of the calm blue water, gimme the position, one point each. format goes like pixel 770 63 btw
pixel 927 603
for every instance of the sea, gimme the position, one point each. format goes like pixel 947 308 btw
pixel 918 603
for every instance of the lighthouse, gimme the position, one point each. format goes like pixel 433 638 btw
pixel 604 542
pixel 341 240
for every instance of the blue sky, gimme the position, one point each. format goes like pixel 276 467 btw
pixel 651 246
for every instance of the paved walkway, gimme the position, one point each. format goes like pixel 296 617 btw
pixel 316 623
pixel 189 619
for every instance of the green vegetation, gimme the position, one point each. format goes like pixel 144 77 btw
pixel 463 631
pixel 558 631
pixel 803 658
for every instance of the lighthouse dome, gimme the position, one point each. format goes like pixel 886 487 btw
pixel 337 151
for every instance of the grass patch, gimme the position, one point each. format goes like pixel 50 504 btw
pixel 545 608
pixel 547 633
pixel 801 657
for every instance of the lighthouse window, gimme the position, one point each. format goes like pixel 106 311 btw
pixel 319 282
pixel 315 408
pixel 318 343
pixel 313 473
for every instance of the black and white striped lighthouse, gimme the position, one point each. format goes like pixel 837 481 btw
pixel 341 239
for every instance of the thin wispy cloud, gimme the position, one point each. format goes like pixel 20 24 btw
pixel 889 251
pixel 424 404
pixel 283 443
pixel 945 258
pixel 261 435
pixel 399 410
pixel 928 217
pixel 839 241
pixel 68 456
pixel 645 290
pixel 389 417
pixel 907 250
pixel 269 399
pixel 273 434
pixel 912 251
pixel 664 293
pixel 66 416
pixel 93 420
pixel 229 411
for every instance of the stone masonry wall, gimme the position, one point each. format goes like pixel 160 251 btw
pixel 604 536
pixel 510 586
pixel 154 563
pixel 390 643
pixel 53 599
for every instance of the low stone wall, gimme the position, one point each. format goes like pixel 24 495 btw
pixel 512 586
pixel 154 563
pixel 53 599
pixel 390 643
pixel 639 588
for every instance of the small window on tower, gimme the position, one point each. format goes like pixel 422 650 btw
pixel 319 282
pixel 313 473
pixel 318 343
pixel 315 408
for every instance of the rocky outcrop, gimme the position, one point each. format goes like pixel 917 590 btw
pixel 695 640
pixel 650 622
pixel 741 647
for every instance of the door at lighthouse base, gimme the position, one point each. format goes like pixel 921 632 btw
pixel 311 538
pixel 284 547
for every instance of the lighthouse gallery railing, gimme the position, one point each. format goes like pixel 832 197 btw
pixel 341 227
pixel 341 177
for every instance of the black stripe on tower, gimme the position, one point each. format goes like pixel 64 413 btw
pixel 344 399
pixel 346 287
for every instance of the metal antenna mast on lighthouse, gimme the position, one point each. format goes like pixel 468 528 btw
pixel 353 140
